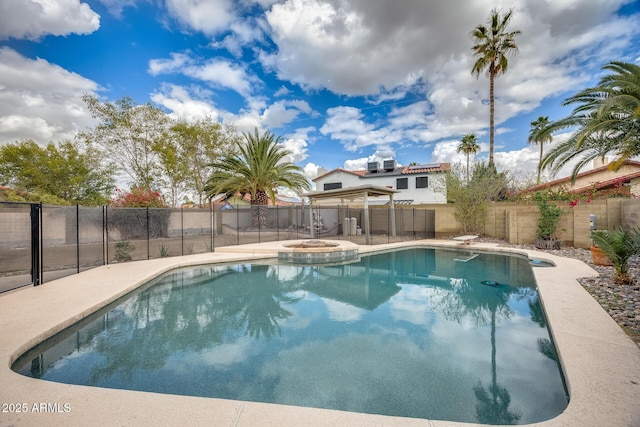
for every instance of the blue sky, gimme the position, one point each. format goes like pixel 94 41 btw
pixel 342 81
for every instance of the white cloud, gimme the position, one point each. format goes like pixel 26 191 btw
pixel 361 163
pixel 382 49
pixel 311 171
pixel 22 19
pixel 116 7
pixel 283 91
pixel 277 114
pixel 218 73
pixel 181 102
pixel 224 74
pixel 297 148
pixel 357 47
pixel 207 16
pixel 162 66
pixel 40 100
pixel 242 34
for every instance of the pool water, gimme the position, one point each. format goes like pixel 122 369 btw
pixel 412 333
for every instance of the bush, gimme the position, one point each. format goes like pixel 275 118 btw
pixel 138 197
pixel 550 214
pixel 132 223
pixel 619 245
pixel 123 251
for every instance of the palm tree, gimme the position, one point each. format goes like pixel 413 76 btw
pixel 492 46
pixel 607 119
pixel 620 246
pixel 468 145
pixel 537 135
pixel 258 169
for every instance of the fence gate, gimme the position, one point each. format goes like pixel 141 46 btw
pixel 20 245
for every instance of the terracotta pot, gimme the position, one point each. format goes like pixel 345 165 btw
pixel 599 257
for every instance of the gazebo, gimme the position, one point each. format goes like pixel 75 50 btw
pixel 356 193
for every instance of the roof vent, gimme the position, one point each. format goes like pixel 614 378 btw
pixel 373 166
pixel 389 165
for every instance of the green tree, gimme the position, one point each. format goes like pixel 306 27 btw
pixel 471 198
pixel 129 134
pixel 537 135
pixel 607 120
pixel 493 43
pixel 65 171
pixel 257 169
pixel 468 145
pixel 199 145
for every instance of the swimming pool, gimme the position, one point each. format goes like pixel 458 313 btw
pixel 412 333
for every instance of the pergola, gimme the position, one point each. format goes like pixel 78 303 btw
pixel 352 193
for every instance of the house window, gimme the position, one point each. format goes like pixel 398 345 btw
pixel 332 186
pixel 402 183
pixel 422 182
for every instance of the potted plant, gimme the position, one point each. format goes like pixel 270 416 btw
pixel 547 223
pixel 619 245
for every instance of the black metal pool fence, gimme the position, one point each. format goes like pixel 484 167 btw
pixel 40 242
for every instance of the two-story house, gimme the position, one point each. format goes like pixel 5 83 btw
pixel 417 184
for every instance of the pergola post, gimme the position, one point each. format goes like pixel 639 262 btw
pixel 367 236
pixel 392 211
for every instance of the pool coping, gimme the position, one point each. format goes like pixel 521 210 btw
pixel 600 362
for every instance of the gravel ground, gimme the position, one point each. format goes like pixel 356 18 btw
pixel 621 302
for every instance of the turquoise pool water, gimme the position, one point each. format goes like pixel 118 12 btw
pixel 422 333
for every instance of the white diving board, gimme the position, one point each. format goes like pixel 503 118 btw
pixel 466 240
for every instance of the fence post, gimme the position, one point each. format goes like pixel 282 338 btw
pixel 181 230
pixel 213 223
pixel 78 236
pixel 148 234
pixel 36 260
pixel 105 233
pixel 277 225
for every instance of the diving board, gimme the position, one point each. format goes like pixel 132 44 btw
pixel 466 240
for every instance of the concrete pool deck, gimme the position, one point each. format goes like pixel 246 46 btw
pixel 600 362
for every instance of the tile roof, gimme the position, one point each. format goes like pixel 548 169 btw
pixel 433 167
pixel 567 179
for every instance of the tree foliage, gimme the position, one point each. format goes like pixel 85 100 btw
pixel 620 246
pixel 549 219
pixel 129 134
pixel 468 145
pixel 62 173
pixel 471 198
pixel 493 44
pixel 197 146
pixel 258 169
pixel 137 197
pixel 606 119
pixel 538 135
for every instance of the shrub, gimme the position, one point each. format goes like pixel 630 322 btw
pixel 550 214
pixel 123 251
pixel 619 245
pixel 138 197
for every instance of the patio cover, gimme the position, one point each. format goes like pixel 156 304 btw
pixel 353 193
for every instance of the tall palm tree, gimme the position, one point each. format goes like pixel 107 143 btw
pixel 493 44
pixel 468 145
pixel 537 135
pixel 607 119
pixel 258 169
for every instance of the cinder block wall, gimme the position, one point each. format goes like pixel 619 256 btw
pixel 630 215
pixel 517 222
